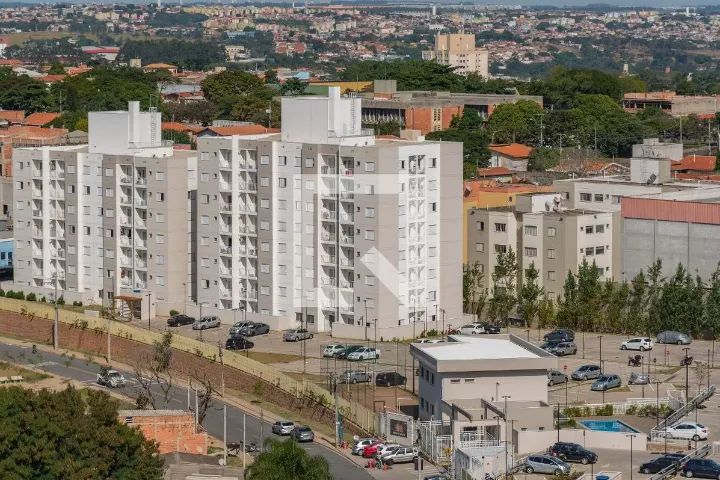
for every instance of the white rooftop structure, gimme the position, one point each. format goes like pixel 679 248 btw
pixel 467 347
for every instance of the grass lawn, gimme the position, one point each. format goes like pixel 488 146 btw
pixel 9 370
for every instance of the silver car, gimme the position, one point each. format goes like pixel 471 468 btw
pixel 677 338
pixel 563 348
pixel 297 334
pixel 400 455
pixel 556 377
pixel 606 382
pixel 546 464
pixel 283 427
pixel 206 322
pixel 302 433
pixel 240 329
pixel 358 448
pixel 354 376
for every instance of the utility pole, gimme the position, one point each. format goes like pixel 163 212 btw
pixel 337 411
pixel 222 369
pixel 56 325
pixel 244 459
pixel 225 435
pixel 687 371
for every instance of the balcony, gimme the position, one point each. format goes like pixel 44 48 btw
pixel 225 186
pixel 126 179
pixel 125 200
pixel 37 252
pixel 225 229
pixel 140 202
pixel 37 172
pixel 57 174
pixel 225 271
pixel 347 172
pixel 346 284
pixel 141 181
pixel 329 282
pixel 347 217
pixel 125 283
pixel 329 214
pixel 60 253
pixel 140 243
pixel 37 192
pixel 251 252
pixel 328 259
pixel 37 213
pixel 125 240
pixel 57 214
pixel 226 207
pixel 347 239
pixel 57 194
pixel 125 261
pixel 347 262
pixel 225 293
pixel 140 222
pixel 37 232
pixel 347 196
pixel 140 263
pixel 328 236
pixel 225 250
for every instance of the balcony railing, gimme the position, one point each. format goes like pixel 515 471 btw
pixel 125 240
pixel 126 179
pixel 346 284
pixel 328 258
pixel 226 250
pixel 329 282
pixel 347 196
pixel 347 217
pixel 329 214
pixel 226 207
pixel 125 262
pixel 346 262
pixel 347 239
pixel 141 181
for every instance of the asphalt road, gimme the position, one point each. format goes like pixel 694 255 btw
pixel 81 370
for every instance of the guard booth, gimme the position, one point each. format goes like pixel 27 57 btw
pixel 135 306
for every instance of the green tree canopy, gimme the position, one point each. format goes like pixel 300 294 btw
pixel 70 434
pixel 516 122
pixel 241 96
pixel 286 460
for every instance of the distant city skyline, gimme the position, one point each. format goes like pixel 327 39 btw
pixel 513 3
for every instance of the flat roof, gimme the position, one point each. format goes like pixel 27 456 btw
pixel 483 353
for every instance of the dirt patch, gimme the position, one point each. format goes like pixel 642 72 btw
pixel 269 358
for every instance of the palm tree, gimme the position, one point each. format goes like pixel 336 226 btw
pixel 286 460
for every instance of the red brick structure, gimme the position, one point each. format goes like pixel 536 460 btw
pixel 173 430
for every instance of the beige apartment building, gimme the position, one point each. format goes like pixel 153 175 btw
pixel 109 218
pixel 458 50
pixel 324 225
pixel 542 232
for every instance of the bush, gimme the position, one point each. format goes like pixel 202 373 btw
pixel 432 333
pixel 10 294
pixel 173 312
pixel 43 300
pixel 61 301
pixel 31 297
pixel 75 303
pixel 631 410
pixel 20 295
pixel 2 292
pixel 604 411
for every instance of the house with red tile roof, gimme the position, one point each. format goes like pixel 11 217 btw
pixel 514 156
pixel 13 117
pixel 501 174
pixel 40 119
pixel 695 164
pixel 26 136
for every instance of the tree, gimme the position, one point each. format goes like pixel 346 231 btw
pixel 153 370
pixel 71 434
pixel 293 87
pixel 543 158
pixel 504 279
pixel 474 291
pixel 243 96
pixel 589 291
pixel 516 122
pixel 287 460
pixel 546 311
pixel 466 129
pixel 20 92
pixel 712 305
pixel 271 76
pixel 529 295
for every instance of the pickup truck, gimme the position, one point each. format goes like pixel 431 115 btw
pixel 111 378
pixel 354 376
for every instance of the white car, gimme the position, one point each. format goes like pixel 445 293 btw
pixel 358 448
pixel 472 329
pixel 385 449
pixel 638 343
pixel 364 353
pixel 333 349
pixel 687 431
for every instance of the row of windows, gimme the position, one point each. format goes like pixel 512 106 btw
pixel 589 229
pixel 427 406
pixel 532 230
pixel 599 197
pixel 87 170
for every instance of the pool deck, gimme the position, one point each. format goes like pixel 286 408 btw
pixel 641 424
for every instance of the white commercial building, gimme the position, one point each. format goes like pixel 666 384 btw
pixel 326 226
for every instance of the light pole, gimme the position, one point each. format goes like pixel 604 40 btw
pixel 442 311
pixel 148 295
pixel 687 372
pixel 505 397
pixel 631 454
pixel 657 402
pixel 601 362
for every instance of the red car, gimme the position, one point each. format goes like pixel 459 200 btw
pixel 370 450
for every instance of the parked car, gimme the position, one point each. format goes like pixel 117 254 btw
pixel 240 329
pixel 701 468
pixel 354 376
pixel 180 319
pixel 563 348
pixel 390 379
pixel 259 328
pixel 661 463
pixel 364 353
pixel 332 350
pixel 573 452
pixel 639 379
pixel 372 449
pixel 491 328
pixel 400 455
pixel 238 343
pixel 546 464
pixel 386 448
pixel 638 343
pixel 283 427
pixel 111 378
pixel 342 354
pixel 586 372
pixel 687 431
pixel 205 323
pixel 360 445
pixel 429 340
pixel 303 433
pixel 677 338
pixel 472 329
pixel 560 335
pixel 606 382
pixel 556 377
pixel 297 334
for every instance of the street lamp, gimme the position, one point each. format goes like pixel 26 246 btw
pixel 687 372
pixel 601 362
pixel 148 295
pixel 631 454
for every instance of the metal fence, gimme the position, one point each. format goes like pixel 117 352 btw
pixel 671 470
pixel 659 433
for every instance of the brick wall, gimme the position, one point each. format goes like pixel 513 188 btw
pixel 173 433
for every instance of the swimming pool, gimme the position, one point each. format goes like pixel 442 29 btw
pixel 611 425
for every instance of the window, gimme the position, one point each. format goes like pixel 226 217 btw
pixel 369 280
pixel 265 246
pixel 264 181
pixel 598 197
pixel 551 275
pixel 160 176
pixel 369 166
pixel 589 251
pixel 589 229
pixel 599 250
pixel 599 228
pixel 205 198
pixel 204 177
pixel 309 185
pixel 204 241
pixel 480 247
pixel 551 253
pixel 159 280
pixel 309 207
pixel 500 248
pixel 159 259
pixel 160 218
pixel 159 238
pixel 282 160
pixel 264 160
pixel 500 227
pixel 264 268
pixel 264 203
pixel 530 252
pixel 585 197
pixel 159 196
pixel 369 234
pixel 530 230
pixel 551 231
pixel 369 212
pixel 282 182
pixel 309 162
pixel 282 204
pixel 432 252
pixel 615 199
pixel 264 225
pixel 204 220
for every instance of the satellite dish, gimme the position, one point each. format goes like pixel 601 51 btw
pixel 651 179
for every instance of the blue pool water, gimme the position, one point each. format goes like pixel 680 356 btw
pixel 608 426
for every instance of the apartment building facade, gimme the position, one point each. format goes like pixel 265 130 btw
pixel 458 50
pixel 324 224
pixel 107 218
pixel 544 233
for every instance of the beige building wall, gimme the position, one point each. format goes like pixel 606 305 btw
pixel 458 50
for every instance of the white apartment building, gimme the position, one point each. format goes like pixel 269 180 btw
pixel 108 218
pixel 323 224
pixel 542 232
